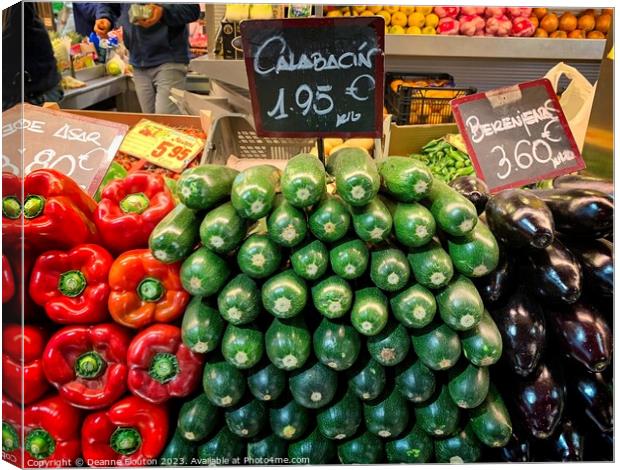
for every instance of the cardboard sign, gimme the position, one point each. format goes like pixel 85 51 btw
pixel 162 145
pixel 315 77
pixel 77 146
pixel 517 135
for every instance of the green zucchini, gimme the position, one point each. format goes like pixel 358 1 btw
pixel 175 236
pixel 178 452
pixel 475 254
pixel 367 378
pixel 239 301
pixel 414 446
pixel 389 269
pixel 387 416
pixel 289 420
pixel 286 225
pixel 438 416
pixel 349 259
pixel 242 345
pixel 369 313
pixel 288 343
pixel 202 326
pixel 415 381
pixel 266 382
pixel 468 385
pixel 314 386
pixel 406 179
pixel 460 305
pixel 342 418
pixel 225 448
pixel 330 220
pixel 303 180
pixel 285 294
pixel 204 186
pixel 437 345
pixel 463 447
pixel 246 419
pixel 431 265
pixel 482 345
pixel 414 225
pixel 197 418
pixel 264 450
pixel 391 346
pixel 332 297
pixel 357 179
pixel 415 307
pixel 222 230
pixel 337 345
pixel 364 449
pixel 310 261
pixel 373 222
pixel 254 190
pixel 454 213
pixel 204 273
pixel 259 257
pixel 224 384
pixel 313 449
pixel 490 421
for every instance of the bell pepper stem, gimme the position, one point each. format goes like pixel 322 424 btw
pixel 40 444
pixel 11 208
pixel 10 438
pixel 72 283
pixel 89 365
pixel 150 289
pixel 125 441
pixel 164 367
pixel 33 206
pixel 135 203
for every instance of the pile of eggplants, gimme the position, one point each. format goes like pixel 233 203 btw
pixel 552 298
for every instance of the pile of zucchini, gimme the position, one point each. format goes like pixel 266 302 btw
pixel 336 313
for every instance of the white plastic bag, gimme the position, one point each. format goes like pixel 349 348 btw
pixel 576 100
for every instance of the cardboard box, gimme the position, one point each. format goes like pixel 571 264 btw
pixel 230 31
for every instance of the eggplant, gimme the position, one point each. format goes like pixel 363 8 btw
pixel 519 219
pixel 540 400
pixel 498 284
pixel 593 393
pixel 583 334
pixel 568 442
pixel 578 212
pixel 554 273
pixel 474 189
pixel 597 263
pixel 517 449
pixel 584 182
pixel 521 323
pixel 599 447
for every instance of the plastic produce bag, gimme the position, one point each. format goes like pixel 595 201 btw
pixel 576 100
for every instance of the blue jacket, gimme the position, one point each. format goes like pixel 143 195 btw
pixel 165 42
pixel 84 15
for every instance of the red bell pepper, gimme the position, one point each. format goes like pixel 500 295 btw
pixel 72 286
pixel 145 290
pixel 8 281
pixel 131 432
pixel 87 364
pixel 12 222
pixel 130 208
pixel 11 431
pixel 57 212
pixel 161 366
pixel 51 433
pixel 23 367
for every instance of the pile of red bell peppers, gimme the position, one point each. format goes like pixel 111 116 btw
pixel 87 378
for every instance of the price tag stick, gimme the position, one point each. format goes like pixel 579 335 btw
pixel 321 149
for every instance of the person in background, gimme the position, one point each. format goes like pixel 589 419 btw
pixel 158 49
pixel 41 80
pixel 84 16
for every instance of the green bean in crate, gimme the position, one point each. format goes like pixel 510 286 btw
pixel 446 158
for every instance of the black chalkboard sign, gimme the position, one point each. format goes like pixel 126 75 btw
pixel 517 135
pixel 315 77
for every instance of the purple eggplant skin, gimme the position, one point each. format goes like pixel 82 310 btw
pixel 592 392
pixel 568 442
pixel 597 263
pixel 474 189
pixel 498 284
pixel 519 219
pixel 540 400
pixel 517 449
pixel 584 213
pixel 521 323
pixel 555 274
pixel 584 182
pixel 584 334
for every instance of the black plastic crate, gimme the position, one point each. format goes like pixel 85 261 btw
pixel 422 104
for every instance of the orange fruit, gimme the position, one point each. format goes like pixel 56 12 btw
pixel 607 11
pixel 541 33
pixel 386 16
pixel 391 9
pixel 577 34
pixel 568 22
pixel 367 13
pixel 595 35
pixel 586 23
pixel 589 11
pixel 399 19
pixel 375 8
pixel 534 21
pixel 603 22
pixel 539 12
pixel 413 30
pixel 549 23
pixel 424 10
pixel 359 8
pixel 558 35
pixel 407 10
pixel 416 19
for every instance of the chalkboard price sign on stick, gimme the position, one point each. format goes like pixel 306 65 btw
pixel 517 135
pixel 316 77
